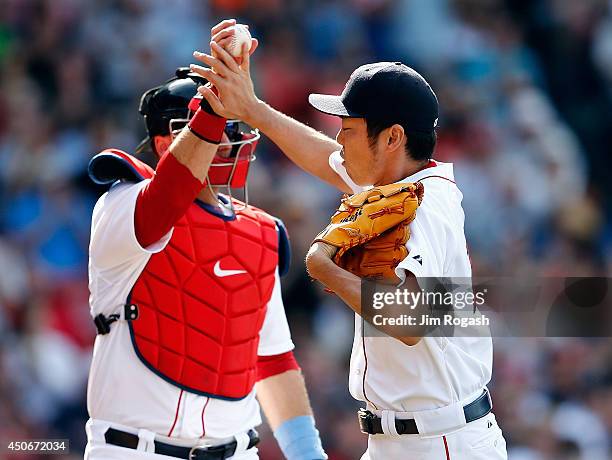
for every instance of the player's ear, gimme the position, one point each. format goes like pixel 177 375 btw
pixel 161 144
pixel 395 137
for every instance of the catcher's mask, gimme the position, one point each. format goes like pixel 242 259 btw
pixel 169 107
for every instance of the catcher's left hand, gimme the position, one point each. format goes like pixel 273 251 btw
pixel 370 230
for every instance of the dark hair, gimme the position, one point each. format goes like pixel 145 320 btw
pixel 419 145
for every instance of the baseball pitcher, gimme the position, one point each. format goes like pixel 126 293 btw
pixel 425 397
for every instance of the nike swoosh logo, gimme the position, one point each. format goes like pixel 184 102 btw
pixel 223 273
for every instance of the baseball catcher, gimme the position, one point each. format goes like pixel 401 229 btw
pixel 185 296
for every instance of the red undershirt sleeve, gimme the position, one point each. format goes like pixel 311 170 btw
pixel 164 200
pixel 267 366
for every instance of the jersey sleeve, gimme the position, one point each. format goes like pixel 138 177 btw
pixel 426 247
pixel 164 199
pixel 113 238
pixel 275 337
pixel 336 163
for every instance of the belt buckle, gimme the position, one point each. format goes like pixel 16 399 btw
pixel 365 421
pixel 192 451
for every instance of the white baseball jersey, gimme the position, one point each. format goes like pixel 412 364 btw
pixel 437 371
pixel 121 389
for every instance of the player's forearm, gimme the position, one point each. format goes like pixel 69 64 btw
pixel 193 152
pixel 348 287
pixel 283 397
pixel 178 180
pixel 344 284
pixel 305 146
pixel 284 400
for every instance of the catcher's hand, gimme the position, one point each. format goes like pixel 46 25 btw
pixel 370 229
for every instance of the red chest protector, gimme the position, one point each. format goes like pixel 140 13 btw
pixel 202 301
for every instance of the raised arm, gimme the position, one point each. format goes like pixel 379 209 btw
pixel 305 146
pixel 179 177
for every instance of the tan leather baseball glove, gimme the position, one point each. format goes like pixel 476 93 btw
pixel 371 228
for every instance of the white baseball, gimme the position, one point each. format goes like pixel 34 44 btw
pixel 240 36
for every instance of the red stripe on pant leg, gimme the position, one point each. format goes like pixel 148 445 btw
pixel 446 448
pixel 203 410
pixel 178 405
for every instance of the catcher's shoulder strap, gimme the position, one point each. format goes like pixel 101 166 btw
pixel 284 248
pixel 284 243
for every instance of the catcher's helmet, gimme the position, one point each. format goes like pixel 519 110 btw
pixel 169 107
pixel 166 102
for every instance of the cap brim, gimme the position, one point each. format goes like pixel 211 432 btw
pixel 144 146
pixel 331 105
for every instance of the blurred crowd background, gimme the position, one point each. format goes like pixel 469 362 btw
pixel 525 89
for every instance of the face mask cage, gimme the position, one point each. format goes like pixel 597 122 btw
pixel 230 165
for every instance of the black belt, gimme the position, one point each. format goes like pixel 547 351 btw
pixel 221 452
pixel 371 423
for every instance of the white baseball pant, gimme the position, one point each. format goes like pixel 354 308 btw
pixel 478 440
